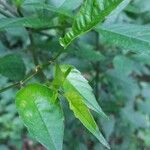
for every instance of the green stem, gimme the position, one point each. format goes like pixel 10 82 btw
pixel 97 67
pixel 9 87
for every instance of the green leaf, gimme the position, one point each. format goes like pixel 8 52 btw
pixel 125 83
pixel 71 4
pixel 126 65
pixel 30 22
pixel 91 13
pixel 76 82
pixel 88 53
pixel 40 111
pixel 18 3
pixel 59 76
pixel 41 6
pixel 138 7
pixel 135 38
pixel 115 14
pixel 12 67
pixel 83 114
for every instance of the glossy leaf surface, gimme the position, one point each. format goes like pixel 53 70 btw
pixel 91 13
pixel 83 114
pixel 40 111
pixel 76 82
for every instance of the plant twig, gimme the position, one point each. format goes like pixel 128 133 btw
pixel 97 69
pixel 9 87
pixel 37 70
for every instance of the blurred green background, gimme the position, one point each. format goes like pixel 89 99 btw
pixel 120 79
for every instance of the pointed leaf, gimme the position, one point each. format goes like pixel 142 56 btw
pixel 136 38
pixel 115 14
pixel 76 82
pixel 83 114
pixel 91 13
pixel 42 114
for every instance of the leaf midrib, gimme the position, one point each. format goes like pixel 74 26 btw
pixel 123 34
pixel 97 110
pixel 44 124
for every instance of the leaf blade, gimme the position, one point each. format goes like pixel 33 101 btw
pixel 83 114
pixel 76 82
pixel 41 114
pixel 42 6
pixel 90 14
pixel 128 36
pixel 30 22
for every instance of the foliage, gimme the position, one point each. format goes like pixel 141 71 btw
pixel 66 59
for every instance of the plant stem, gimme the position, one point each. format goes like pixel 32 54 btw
pixel 37 70
pixel 9 87
pixel 97 69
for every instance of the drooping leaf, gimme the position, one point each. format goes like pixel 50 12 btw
pixel 91 13
pixel 40 111
pixel 76 82
pixel 12 66
pixel 135 38
pixel 83 114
